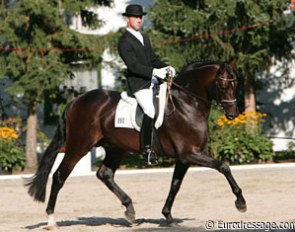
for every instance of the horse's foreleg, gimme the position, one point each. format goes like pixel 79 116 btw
pixel 208 161
pixel 240 202
pixel 106 174
pixel 179 172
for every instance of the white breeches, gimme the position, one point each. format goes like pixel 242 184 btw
pixel 144 98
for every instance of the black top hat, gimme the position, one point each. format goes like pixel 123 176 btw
pixel 134 10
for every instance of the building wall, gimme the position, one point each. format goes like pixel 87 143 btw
pixel 84 80
pixel 279 104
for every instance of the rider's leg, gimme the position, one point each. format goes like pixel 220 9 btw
pixel 146 140
pixel 144 98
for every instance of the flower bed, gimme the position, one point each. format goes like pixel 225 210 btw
pixel 12 155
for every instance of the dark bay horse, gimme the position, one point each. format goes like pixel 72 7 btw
pixel 89 121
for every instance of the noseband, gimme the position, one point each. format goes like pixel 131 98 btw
pixel 229 101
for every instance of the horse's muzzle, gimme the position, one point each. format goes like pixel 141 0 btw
pixel 230 117
pixel 231 109
pixel 232 114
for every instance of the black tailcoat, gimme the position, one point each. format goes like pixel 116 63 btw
pixel 140 61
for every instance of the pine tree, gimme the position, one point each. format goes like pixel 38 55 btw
pixel 37 49
pixel 253 34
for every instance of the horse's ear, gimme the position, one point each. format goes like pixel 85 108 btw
pixel 233 63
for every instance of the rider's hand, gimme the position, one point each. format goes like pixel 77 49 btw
pixel 160 72
pixel 170 68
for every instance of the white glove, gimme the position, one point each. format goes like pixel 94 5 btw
pixel 170 68
pixel 160 72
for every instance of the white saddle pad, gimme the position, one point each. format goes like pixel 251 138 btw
pixel 126 110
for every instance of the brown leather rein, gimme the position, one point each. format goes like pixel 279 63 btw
pixel 170 82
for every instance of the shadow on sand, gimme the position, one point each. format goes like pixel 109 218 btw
pixel 160 225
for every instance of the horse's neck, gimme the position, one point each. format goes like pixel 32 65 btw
pixel 193 89
pixel 197 88
pixel 191 106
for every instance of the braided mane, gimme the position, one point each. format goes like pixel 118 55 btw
pixel 197 63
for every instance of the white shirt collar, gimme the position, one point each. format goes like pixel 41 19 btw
pixel 137 34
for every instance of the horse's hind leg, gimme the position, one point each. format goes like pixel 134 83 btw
pixel 59 177
pixel 106 174
pixel 178 175
pixel 208 161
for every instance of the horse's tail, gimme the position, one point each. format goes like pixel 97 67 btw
pixel 37 184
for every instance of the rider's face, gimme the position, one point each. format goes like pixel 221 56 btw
pixel 134 22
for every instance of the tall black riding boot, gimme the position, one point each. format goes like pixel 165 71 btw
pixel 146 140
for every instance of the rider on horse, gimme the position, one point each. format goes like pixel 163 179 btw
pixel 144 67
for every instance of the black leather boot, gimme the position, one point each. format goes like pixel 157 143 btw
pixel 146 140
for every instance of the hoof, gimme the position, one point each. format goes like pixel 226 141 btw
pixel 241 206
pixel 51 227
pixel 170 221
pixel 130 217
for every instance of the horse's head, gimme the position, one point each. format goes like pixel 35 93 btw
pixel 226 84
pixel 199 79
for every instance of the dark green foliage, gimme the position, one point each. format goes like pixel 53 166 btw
pixel 287 155
pixel 38 47
pixel 12 155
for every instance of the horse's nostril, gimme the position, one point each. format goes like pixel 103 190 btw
pixel 230 117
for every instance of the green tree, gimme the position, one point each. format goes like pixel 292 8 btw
pixel 38 48
pixel 252 34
